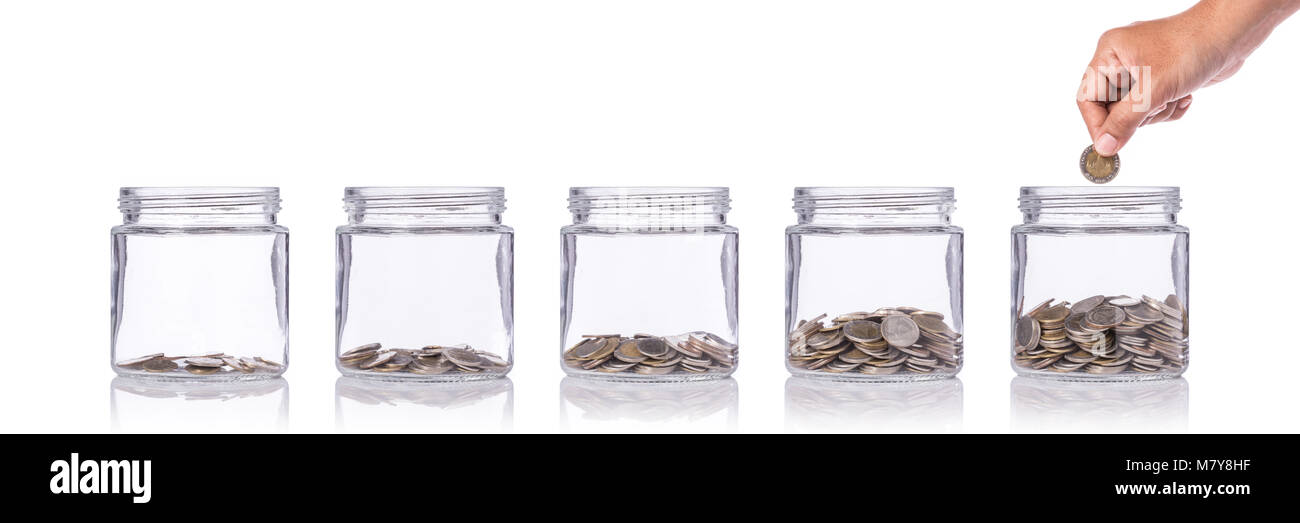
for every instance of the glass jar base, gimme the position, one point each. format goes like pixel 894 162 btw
pixel 185 377
pixel 850 377
pixel 638 378
pixel 394 377
pixel 1096 378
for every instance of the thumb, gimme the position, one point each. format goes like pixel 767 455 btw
pixel 1122 120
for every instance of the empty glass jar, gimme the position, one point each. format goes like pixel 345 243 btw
pixel 649 284
pixel 200 283
pixel 1099 289
pixel 425 284
pixel 874 284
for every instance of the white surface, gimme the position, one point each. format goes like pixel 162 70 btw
pixel 538 96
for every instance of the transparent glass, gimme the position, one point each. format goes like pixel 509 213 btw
pixel 425 287
pixel 874 284
pixel 200 284
pixel 649 284
pixel 1099 284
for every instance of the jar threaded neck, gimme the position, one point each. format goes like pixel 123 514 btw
pixel 182 206
pixel 655 207
pixel 1100 206
pixel 399 206
pixel 874 206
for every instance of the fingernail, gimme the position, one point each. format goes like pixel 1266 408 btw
pixel 1106 145
pixel 1183 104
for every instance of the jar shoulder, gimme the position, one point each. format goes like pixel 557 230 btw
pixel 598 229
pixel 1105 229
pixel 866 231
pixel 423 230
pixel 214 229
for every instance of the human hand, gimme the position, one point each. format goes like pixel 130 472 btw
pixel 1145 73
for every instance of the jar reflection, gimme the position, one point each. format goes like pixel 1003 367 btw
pixel 365 405
pixel 1060 406
pixel 147 405
pixel 814 405
pixel 604 406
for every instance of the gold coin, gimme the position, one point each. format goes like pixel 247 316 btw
pixel 1097 168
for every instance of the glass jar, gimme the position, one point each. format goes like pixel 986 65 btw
pixel 874 284
pixel 200 284
pixel 425 287
pixel 1099 284
pixel 649 284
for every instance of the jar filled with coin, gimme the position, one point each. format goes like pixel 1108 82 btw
pixel 425 287
pixel 200 284
pixel 1100 284
pixel 649 284
pixel 874 284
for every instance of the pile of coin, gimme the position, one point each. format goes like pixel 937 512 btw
pixel 202 365
pixel 430 360
pixel 890 340
pixel 1104 335
pixel 690 353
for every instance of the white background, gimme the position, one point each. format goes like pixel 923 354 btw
pixel 538 96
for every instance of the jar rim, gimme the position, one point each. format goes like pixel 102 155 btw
pixel 1117 199
pixel 465 199
pixel 645 191
pixel 682 198
pixel 902 199
pixel 257 200
pixel 420 190
pixel 1098 190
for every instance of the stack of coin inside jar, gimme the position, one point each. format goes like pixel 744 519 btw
pixel 430 360
pixel 690 353
pixel 888 341
pixel 1104 335
pixel 201 365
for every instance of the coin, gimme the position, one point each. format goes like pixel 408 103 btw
pixel 1039 308
pixel 1053 315
pixel 378 359
pixel 136 361
pixel 367 348
pixel 204 362
pixel 1123 301
pixel 462 357
pixel 1027 332
pixel 862 331
pixel 899 331
pixel 1087 304
pixel 653 347
pixel 261 362
pixel 1104 316
pixel 235 364
pixel 588 347
pixel 1097 168
pixel 160 365
pixel 627 351
pixel 931 324
pixel 1143 313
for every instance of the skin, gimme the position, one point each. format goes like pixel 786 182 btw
pixel 1199 47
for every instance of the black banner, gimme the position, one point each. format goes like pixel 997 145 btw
pixel 153 473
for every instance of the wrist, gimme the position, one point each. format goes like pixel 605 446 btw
pixel 1237 27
